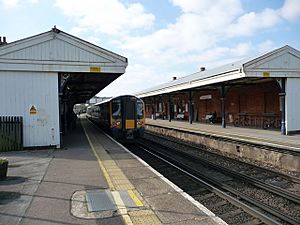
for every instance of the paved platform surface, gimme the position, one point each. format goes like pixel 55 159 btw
pixel 49 187
pixel 259 136
pixel 43 182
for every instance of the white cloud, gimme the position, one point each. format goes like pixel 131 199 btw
pixel 291 10
pixel 228 7
pixel 199 36
pixel 194 32
pixel 251 22
pixel 106 16
pixel 9 4
pixel 266 46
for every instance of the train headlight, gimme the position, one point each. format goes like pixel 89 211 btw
pixel 116 124
pixel 140 123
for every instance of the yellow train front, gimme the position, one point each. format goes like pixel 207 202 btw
pixel 122 116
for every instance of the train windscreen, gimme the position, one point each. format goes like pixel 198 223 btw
pixel 116 109
pixel 139 109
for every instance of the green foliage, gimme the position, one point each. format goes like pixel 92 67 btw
pixel 2 161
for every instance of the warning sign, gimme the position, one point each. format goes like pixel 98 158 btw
pixel 32 110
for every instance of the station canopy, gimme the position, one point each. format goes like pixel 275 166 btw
pixel 83 68
pixel 282 62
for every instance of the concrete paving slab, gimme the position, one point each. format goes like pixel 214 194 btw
pixel 141 173
pixel 25 172
pixel 170 211
pixel 121 156
pixel 41 191
pixel 129 163
pixel 152 186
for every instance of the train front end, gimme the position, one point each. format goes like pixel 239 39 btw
pixel 127 118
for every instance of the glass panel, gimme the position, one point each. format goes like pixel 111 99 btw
pixel 116 109
pixel 139 109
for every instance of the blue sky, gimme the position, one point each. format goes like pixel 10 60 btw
pixel 161 38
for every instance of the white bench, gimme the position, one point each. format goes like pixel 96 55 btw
pixel 207 117
pixel 180 116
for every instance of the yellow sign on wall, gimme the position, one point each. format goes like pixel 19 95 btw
pixel 32 110
pixel 95 69
pixel 266 74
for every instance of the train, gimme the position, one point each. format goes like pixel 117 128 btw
pixel 123 117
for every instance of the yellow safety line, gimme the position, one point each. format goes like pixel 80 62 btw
pixel 116 195
pixel 121 208
pixel 105 173
pixel 135 198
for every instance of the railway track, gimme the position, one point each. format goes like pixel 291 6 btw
pixel 279 179
pixel 235 197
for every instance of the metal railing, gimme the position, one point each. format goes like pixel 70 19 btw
pixel 11 133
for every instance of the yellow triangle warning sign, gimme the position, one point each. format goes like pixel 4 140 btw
pixel 32 110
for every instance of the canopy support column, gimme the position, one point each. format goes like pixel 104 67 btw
pixel 282 106
pixel 190 107
pixel 170 105
pixel 223 106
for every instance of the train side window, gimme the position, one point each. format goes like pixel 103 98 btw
pixel 140 109
pixel 116 109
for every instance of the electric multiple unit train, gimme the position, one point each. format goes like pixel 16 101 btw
pixel 122 116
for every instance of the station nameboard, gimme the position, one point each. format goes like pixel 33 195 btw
pixel 95 69
pixel 204 97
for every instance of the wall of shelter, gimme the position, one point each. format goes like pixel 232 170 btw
pixel 256 102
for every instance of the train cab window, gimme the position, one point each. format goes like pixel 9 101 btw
pixel 139 109
pixel 116 109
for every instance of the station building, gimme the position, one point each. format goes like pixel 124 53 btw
pixel 260 92
pixel 42 77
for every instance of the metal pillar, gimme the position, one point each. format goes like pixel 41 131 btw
pixel 155 107
pixel 282 106
pixel 170 110
pixel 223 106
pixel 190 107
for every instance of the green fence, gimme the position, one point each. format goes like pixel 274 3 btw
pixel 11 133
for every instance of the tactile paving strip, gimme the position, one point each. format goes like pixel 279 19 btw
pixel 144 217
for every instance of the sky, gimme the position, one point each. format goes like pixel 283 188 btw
pixel 161 38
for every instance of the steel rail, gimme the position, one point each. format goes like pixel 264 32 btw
pixel 268 187
pixel 265 219
pixel 221 186
pixel 288 177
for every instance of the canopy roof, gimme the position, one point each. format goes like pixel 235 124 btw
pixel 282 62
pixel 86 68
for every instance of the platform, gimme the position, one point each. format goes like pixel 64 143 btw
pixel 256 136
pixel 267 148
pixel 92 180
